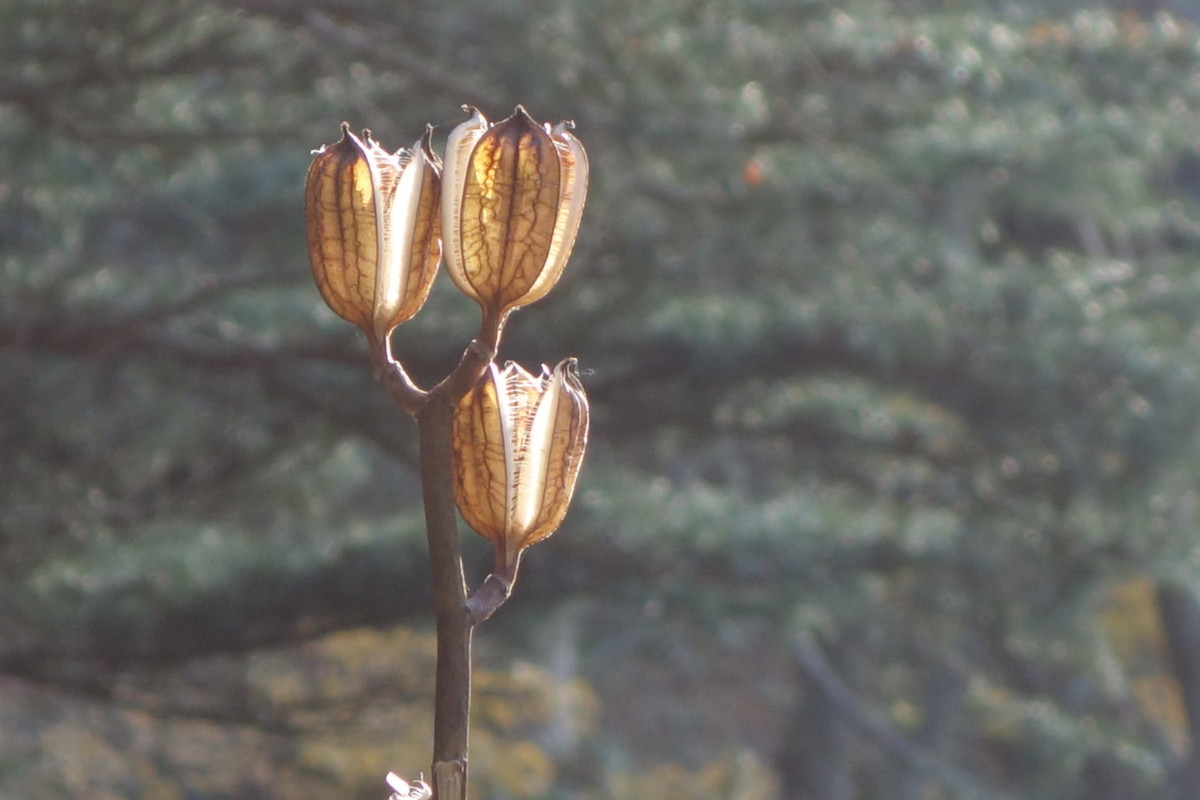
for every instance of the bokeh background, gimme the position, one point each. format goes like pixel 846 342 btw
pixel 889 314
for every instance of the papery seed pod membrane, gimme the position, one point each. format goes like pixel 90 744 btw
pixel 513 200
pixel 518 445
pixel 340 222
pixel 410 243
pixel 372 227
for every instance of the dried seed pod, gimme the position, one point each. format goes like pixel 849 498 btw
pixel 513 199
pixel 518 445
pixel 373 229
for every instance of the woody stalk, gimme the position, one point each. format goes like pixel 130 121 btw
pixel 499 443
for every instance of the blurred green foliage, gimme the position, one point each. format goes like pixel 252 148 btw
pixel 888 315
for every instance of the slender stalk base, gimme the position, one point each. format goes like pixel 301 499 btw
pixel 434 410
pixel 452 702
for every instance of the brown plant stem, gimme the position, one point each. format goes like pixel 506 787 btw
pixel 454 621
pixel 391 375
pixel 490 595
pixel 452 701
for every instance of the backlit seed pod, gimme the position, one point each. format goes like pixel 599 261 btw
pixel 513 199
pixel 373 229
pixel 518 444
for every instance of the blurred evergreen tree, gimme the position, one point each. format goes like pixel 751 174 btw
pixel 887 311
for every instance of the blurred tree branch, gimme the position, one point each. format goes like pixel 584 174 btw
pixel 812 660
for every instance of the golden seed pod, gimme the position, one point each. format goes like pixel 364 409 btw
pixel 511 209
pixel 518 444
pixel 373 229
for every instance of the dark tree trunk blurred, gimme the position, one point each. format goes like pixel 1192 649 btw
pixel 1180 614
pixel 943 699
pixel 812 762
